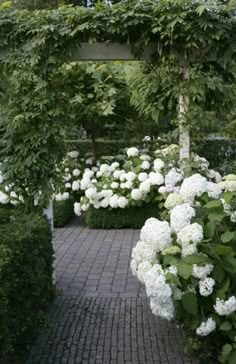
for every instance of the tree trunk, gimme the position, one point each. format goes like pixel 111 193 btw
pixel 94 152
pixel 184 134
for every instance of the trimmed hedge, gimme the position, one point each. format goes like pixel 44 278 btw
pixel 220 152
pixel 131 217
pixel 26 287
pixel 63 212
pixel 107 147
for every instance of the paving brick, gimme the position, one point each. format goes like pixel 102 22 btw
pixel 104 316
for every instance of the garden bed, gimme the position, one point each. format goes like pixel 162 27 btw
pixel 130 217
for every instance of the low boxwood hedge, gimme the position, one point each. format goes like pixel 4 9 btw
pixel 26 287
pixel 63 212
pixel 131 217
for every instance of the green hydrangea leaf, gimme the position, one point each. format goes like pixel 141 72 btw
pixel 189 302
pixel 227 237
pixel 184 270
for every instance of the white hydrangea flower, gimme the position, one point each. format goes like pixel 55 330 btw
pixel 98 174
pixel 160 292
pixel 202 271
pixel 77 208
pixel 117 174
pixel 84 183
pixel 123 185
pixel 156 178
pixel 84 206
pixel 130 176
pixel 106 193
pixel 143 251
pixel 172 178
pixel 133 152
pixel 206 327
pixel 3 198
pixel 94 169
pixel 142 176
pixel 164 310
pixel 180 216
pixel 233 217
pixel 225 308
pixel 136 194
pixel 172 269
pixel 142 269
pixel 62 196
pixel 129 185
pixel 88 174
pixel 158 165
pixel 114 201
pixel 212 174
pixel 193 186
pixel 114 185
pixel 173 200
pixel 228 186
pixel 145 186
pixel 68 185
pixel 145 157
pixel 123 202
pixel 133 267
pixel 67 177
pixel 145 165
pixel 189 250
pixel 76 172
pixel 230 177
pixel 105 202
pixel 162 190
pixel 76 186
pixel 89 161
pixel 114 166
pixel 105 169
pixel 214 190
pixel 91 193
pixel 123 177
pixel 67 170
pixel 157 232
pixel 73 154
pixel 192 233
pixel 206 286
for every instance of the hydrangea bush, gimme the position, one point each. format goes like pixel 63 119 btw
pixel 138 177
pixel 188 265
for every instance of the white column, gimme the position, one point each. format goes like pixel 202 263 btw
pixel 184 135
pixel 48 212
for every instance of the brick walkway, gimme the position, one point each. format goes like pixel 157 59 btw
pixel 103 315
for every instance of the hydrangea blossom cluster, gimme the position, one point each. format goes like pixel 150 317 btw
pixel 176 265
pixel 131 180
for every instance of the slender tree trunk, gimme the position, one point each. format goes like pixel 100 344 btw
pixel 94 152
pixel 184 134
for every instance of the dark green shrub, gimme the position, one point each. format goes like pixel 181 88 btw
pixel 107 147
pixel 26 287
pixel 63 212
pixel 131 217
pixel 220 152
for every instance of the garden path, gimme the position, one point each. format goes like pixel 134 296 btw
pixel 103 316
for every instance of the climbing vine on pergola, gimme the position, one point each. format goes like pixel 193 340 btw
pixel 33 46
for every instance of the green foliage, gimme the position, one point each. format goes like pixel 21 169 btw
pixel 194 307
pixel 35 45
pixel 220 152
pixel 131 217
pixel 25 281
pixel 63 212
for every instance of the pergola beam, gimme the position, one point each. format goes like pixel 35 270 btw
pixel 110 52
